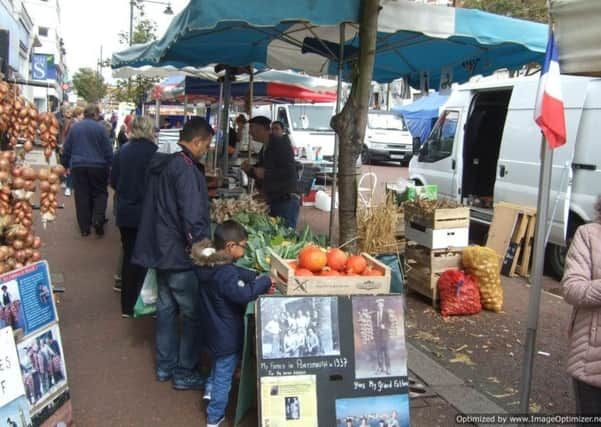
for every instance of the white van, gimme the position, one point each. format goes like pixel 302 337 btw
pixel 308 125
pixel 485 146
pixel 386 138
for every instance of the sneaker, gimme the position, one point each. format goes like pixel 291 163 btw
pixel 117 288
pixel 163 376
pixel 126 316
pixel 189 382
pixel 206 395
pixel 217 423
pixel 67 192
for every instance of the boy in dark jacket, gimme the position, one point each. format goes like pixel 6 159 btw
pixel 225 289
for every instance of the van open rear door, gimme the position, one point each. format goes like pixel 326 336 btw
pixel 518 167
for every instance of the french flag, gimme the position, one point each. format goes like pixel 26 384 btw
pixel 548 110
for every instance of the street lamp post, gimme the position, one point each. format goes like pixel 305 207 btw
pixel 132 4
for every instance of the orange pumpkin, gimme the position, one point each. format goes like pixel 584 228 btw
pixel 372 272
pixel 336 259
pixel 356 264
pixel 330 273
pixel 303 272
pixel 293 265
pixel 312 258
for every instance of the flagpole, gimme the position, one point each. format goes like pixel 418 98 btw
pixel 538 261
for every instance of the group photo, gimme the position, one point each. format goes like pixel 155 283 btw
pixel 380 411
pixel 42 365
pixel 299 327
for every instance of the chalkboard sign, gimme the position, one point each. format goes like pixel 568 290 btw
pixel 332 361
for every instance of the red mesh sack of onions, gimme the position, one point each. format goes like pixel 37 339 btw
pixel 459 294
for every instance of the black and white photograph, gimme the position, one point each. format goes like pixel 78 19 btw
pixel 42 365
pixel 292 407
pixel 379 336
pixel 299 327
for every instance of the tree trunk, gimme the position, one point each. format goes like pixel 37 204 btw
pixel 350 124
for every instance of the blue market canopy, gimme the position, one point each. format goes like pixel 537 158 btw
pixel 413 39
pixel 422 114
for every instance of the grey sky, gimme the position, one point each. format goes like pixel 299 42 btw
pixel 89 24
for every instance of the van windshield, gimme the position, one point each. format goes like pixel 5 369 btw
pixel 386 122
pixel 310 117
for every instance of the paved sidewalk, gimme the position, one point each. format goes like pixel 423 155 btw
pixel 110 359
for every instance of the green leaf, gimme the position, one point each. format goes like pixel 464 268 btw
pixel 276 240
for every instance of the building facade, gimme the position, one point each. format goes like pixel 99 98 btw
pixel 17 40
pixel 48 59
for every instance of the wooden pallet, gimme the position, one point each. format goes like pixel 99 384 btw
pixel 510 235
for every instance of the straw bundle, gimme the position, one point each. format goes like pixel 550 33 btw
pixel 377 227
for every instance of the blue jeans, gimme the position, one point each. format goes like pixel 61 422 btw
pixel 219 384
pixel 178 355
pixel 287 210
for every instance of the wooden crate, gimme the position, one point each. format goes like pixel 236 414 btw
pixel 439 238
pixel 439 218
pixel 423 267
pixel 289 284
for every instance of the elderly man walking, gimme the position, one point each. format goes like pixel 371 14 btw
pixel 89 153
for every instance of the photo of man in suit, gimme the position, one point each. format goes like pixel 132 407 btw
pixel 381 326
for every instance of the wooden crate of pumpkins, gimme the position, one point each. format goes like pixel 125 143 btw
pixel 331 272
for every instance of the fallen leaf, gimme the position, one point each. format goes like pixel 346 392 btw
pixel 535 407
pixel 500 396
pixel 456 350
pixel 494 380
pixel 425 336
pixel 462 358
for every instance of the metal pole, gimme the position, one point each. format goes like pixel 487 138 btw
pixel 216 152
pixel 157 113
pixel 542 208
pixel 185 108
pixel 251 94
pixel 336 138
pixel 225 125
pixel 387 96
pixel 131 22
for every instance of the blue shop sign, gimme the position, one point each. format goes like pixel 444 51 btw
pixel 42 67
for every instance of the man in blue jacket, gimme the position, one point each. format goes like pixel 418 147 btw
pixel 175 215
pixel 89 153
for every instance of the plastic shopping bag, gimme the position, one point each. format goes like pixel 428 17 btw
pixel 146 302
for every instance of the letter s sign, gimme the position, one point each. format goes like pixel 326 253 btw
pixel 39 70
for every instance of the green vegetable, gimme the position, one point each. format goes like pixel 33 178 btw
pixel 266 233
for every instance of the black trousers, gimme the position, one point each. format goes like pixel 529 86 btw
pixel 588 400
pixel 132 275
pixel 91 194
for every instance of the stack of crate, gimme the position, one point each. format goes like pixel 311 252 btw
pixel 435 242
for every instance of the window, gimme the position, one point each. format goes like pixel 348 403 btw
pixel 440 142
pixel 311 117
pixel 43 31
pixel 385 122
